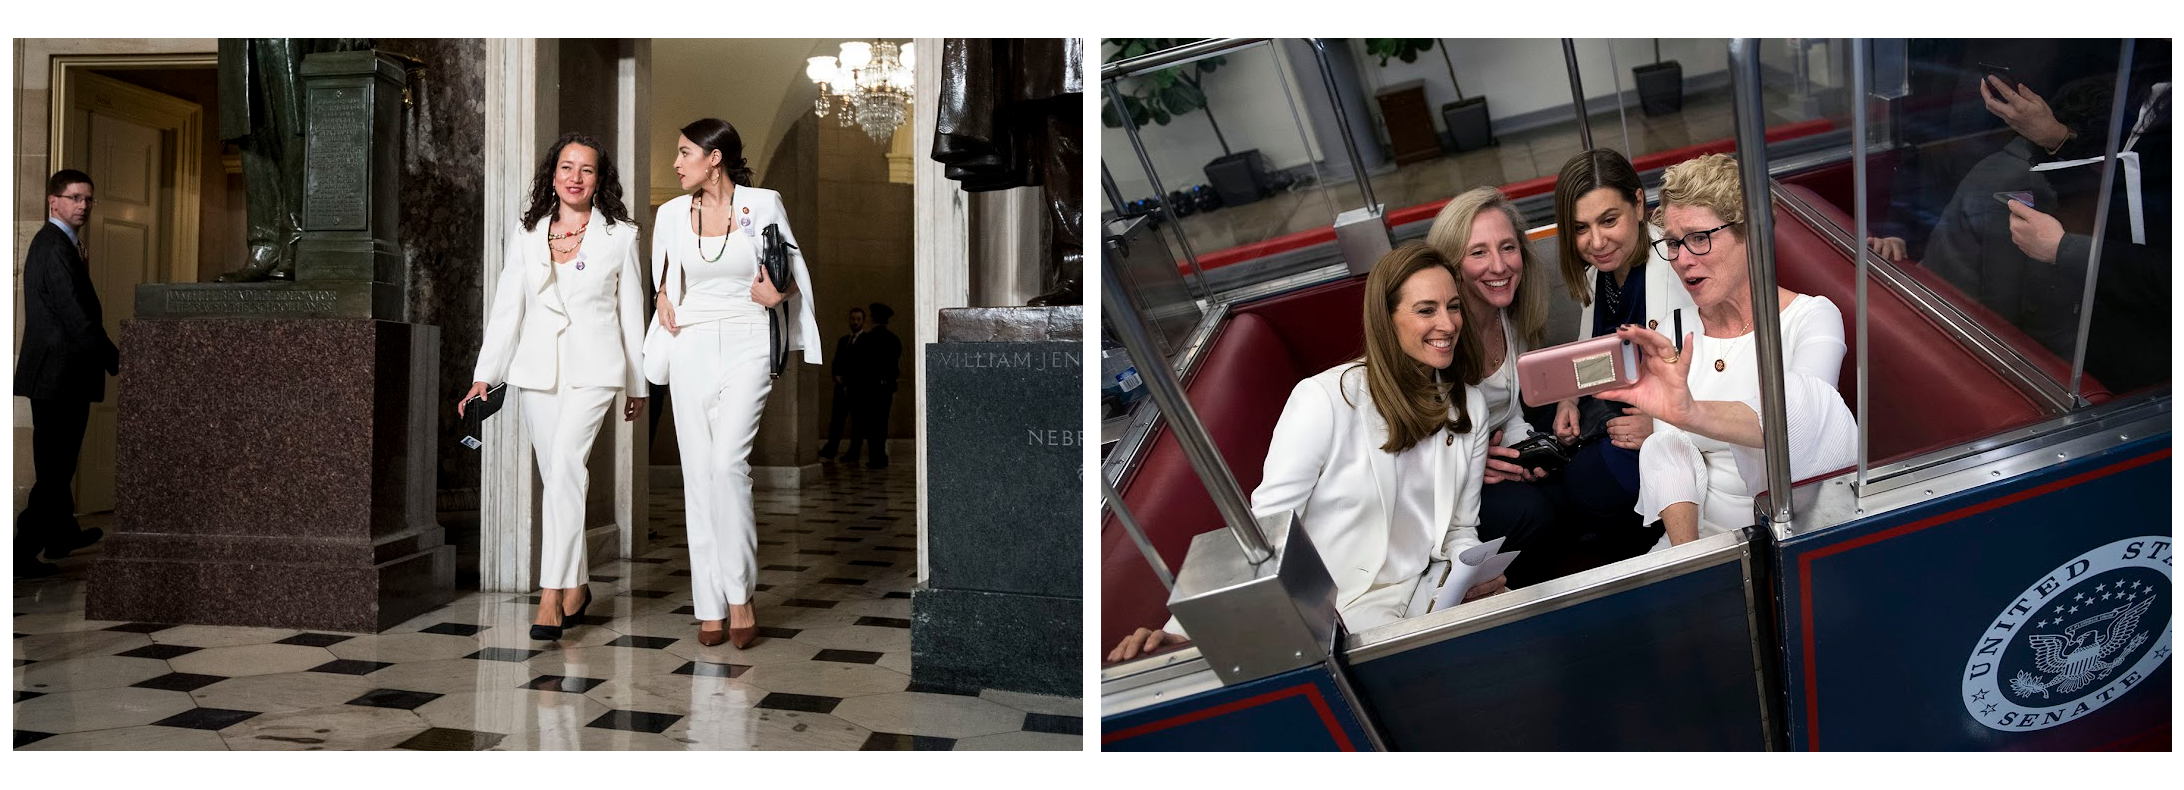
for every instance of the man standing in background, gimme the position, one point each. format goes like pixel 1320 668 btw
pixel 845 371
pixel 65 360
pixel 879 359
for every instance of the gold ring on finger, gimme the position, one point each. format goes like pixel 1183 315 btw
pixel 1672 358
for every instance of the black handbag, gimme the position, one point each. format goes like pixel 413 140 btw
pixel 478 409
pixel 774 255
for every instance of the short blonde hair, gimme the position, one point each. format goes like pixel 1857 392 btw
pixel 1710 182
pixel 1451 234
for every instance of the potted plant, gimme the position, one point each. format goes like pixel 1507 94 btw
pixel 1469 123
pixel 1660 84
pixel 1162 96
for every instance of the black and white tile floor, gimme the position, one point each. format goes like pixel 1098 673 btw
pixel 831 671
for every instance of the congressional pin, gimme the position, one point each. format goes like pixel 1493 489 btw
pixel 1653 324
pixel 746 209
pixel 579 265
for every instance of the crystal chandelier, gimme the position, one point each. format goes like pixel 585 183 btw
pixel 868 85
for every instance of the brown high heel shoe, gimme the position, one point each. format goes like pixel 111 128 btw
pixel 711 638
pixel 743 637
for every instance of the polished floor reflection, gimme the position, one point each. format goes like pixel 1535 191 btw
pixel 831 671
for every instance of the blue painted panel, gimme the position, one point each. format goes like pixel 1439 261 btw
pixel 1663 666
pixel 1296 711
pixel 1921 620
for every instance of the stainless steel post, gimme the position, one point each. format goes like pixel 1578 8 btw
pixel 1759 245
pixel 1114 194
pixel 1577 93
pixel 1137 534
pixel 2100 220
pixel 1858 202
pixel 1160 194
pixel 1228 497
pixel 1342 122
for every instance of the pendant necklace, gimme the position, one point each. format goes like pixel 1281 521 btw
pixel 577 234
pixel 1721 363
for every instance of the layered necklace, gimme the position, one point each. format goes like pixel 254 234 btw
pixel 697 221
pixel 577 234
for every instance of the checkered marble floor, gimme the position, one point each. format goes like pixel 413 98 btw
pixel 830 671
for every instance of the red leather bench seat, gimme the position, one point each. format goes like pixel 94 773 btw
pixel 1927 391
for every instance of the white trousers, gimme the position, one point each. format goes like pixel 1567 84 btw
pixel 563 422
pixel 720 380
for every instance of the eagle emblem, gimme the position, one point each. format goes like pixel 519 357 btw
pixel 2084 653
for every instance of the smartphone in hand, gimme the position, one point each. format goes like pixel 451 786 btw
pixel 2022 197
pixel 1570 370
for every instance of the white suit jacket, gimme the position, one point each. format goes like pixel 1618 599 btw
pixel 1665 295
pixel 671 231
pixel 1325 462
pixel 598 329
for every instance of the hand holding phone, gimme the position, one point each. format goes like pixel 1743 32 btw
pixel 1575 369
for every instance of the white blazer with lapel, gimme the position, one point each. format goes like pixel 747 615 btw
pixel 598 328
pixel 1665 294
pixel 1325 462
pixel 671 230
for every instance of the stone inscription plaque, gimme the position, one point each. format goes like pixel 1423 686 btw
pixel 252 302
pixel 337 159
pixel 1006 446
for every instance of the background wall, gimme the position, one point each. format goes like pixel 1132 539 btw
pixel 1247 97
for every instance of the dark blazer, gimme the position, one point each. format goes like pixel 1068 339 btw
pixel 66 353
pixel 844 348
pixel 879 355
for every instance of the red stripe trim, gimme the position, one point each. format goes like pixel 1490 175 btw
pixel 1310 691
pixel 1520 189
pixel 1804 564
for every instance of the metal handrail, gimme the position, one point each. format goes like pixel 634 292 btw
pixel 2100 220
pixel 1858 205
pixel 1577 93
pixel 1766 306
pixel 1137 534
pixel 1342 122
pixel 1174 56
pixel 1128 325
pixel 1160 193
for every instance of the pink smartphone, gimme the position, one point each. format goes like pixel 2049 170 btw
pixel 1574 369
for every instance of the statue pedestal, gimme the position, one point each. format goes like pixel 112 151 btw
pixel 1004 535
pixel 275 472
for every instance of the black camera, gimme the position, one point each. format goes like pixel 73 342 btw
pixel 1542 451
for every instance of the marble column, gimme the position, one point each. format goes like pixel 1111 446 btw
pixel 941 259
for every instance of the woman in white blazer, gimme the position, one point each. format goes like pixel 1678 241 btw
pixel 1618 278
pixel 713 299
pixel 1382 457
pixel 566 331
pixel 1505 304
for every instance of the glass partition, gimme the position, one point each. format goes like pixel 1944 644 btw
pixel 1225 144
pixel 2005 280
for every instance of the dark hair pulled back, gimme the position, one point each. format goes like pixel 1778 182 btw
pixel 714 134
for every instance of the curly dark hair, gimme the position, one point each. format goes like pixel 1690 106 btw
pixel 607 197
pixel 714 134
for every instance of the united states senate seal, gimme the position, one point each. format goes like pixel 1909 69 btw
pixel 2080 637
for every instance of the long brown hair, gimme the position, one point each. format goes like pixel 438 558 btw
pixel 1599 168
pixel 1451 233
pixel 1410 399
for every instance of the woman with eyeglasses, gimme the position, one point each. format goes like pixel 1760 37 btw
pixel 1699 470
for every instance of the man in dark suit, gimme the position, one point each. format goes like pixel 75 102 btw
pixel 845 369
pixel 65 360
pixel 879 356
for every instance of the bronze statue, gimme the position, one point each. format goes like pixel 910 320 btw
pixel 261 112
pixel 1010 116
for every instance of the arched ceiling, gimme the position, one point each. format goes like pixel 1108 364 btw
pixel 756 84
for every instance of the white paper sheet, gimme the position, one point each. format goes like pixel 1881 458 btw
pixel 1446 580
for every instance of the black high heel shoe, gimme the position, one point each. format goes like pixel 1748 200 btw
pixel 550 633
pixel 571 621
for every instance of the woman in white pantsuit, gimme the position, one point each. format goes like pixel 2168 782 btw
pixel 713 299
pixel 567 333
